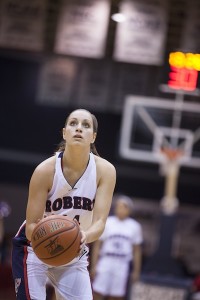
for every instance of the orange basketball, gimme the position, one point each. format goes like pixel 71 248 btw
pixel 56 240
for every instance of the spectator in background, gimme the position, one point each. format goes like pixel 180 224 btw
pixel 6 283
pixel 113 253
pixel 195 290
pixel 1 235
pixel 5 211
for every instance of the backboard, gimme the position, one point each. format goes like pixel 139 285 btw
pixel 151 124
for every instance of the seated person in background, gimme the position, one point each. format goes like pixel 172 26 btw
pixel 5 211
pixel 195 292
pixel 118 246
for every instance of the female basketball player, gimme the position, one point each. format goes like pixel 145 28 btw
pixel 75 182
pixel 112 253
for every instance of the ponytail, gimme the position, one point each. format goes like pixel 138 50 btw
pixel 93 149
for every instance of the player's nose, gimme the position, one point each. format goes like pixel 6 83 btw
pixel 79 127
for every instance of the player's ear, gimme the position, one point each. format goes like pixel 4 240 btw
pixel 94 137
pixel 63 133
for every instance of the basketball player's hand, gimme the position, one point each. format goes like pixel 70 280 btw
pixel 83 241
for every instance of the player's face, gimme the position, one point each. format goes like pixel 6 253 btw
pixel 79 128
pixel 122 211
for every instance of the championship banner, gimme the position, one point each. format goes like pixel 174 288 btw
pixel 141 37
pixel 90 93
pixel 22 24
pixel 57 82
pixel 190 34
pixel 82 28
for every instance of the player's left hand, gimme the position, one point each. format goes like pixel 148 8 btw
pixel 83 241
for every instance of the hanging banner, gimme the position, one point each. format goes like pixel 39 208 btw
pixel 57 83
pixel 93 91
pixel 22 24
pixel 190 33
pixel 82 28
pixel 140 38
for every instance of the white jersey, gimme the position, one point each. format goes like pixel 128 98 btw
pixel 119 237
pixel 71 280
pixel 77 201
pixel 116 252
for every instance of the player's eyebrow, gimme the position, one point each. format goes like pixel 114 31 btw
pixel 76 119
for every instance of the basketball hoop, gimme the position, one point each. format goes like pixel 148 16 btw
pixel 172 154
pixel 170 160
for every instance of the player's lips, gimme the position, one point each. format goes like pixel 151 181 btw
pixel 78 136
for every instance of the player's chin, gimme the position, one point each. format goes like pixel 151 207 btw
pixel 77 139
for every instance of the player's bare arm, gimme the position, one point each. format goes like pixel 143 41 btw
pixel 40 184
pixel 137 260
pixel 106 175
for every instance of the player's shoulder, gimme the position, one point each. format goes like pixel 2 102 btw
pixel 46 167
pixel 112 219
pixel 104 165
pixel 134 223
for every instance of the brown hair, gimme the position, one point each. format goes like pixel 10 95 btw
pixel 61 145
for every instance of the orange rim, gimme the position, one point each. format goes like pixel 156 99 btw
pixel 171 154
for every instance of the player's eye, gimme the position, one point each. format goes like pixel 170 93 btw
pixel 86 125
pixel 72 123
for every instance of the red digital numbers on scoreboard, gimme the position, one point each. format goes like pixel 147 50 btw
pixel 184 70
pixel 182 78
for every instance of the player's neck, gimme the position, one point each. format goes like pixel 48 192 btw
pixel 75 159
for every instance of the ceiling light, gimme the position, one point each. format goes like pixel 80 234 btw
pixel 118 17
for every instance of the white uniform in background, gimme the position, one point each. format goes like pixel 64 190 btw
pixel 116 253
pixel 72 280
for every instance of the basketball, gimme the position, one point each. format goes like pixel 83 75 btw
pixel 56 240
